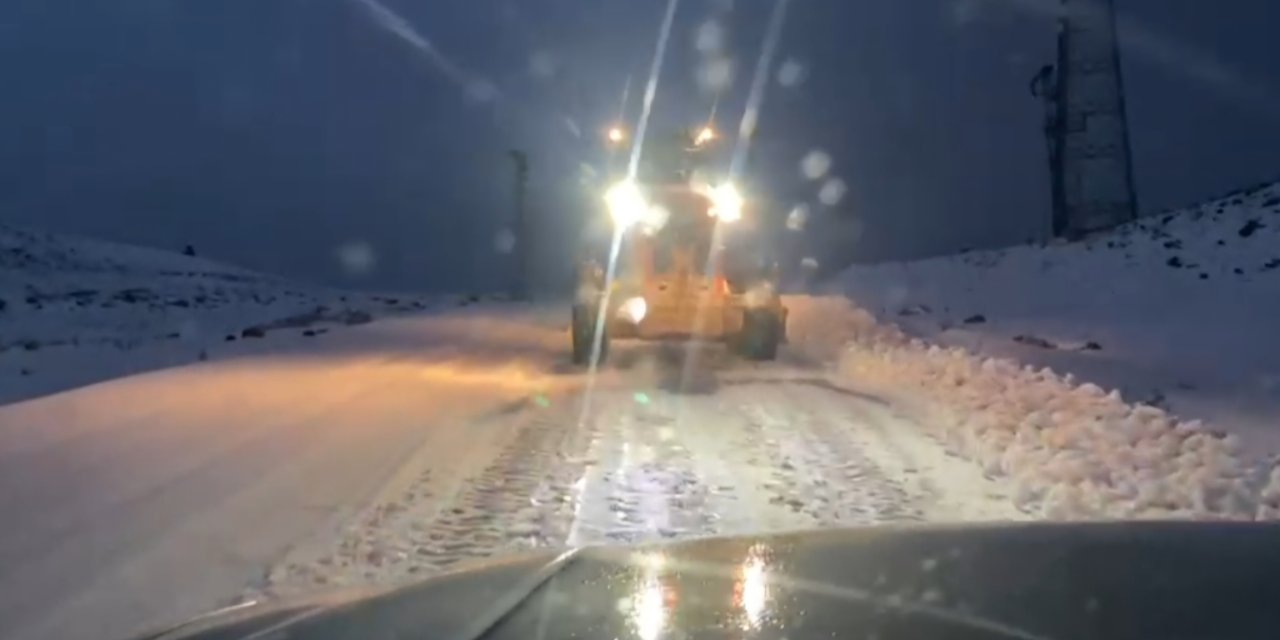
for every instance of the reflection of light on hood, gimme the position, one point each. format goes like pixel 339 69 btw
pixel 753 588
pixel 648 608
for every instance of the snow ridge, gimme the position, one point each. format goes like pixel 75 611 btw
pixel 1072 449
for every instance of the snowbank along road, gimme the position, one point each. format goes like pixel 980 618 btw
pixel 1176 310
pixel 394 450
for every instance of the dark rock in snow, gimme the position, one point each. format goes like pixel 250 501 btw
pixel 1174 262
pixel 357 317
pixel 977 318
pixel 1249 228
pixel 1204 276
pixel 1222 243
pixel 24 371
pixel 1091 346
pixel 1156 399
pixel 1173 244
pixel 253 332
pixel 915 310
pixel 135 295
pixel 230 338
pixel 1034 341
pixel 1238 271
pixel 30 345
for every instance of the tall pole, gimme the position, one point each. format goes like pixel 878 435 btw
pixel 1046 86
pixel 520 226
pixel 1097 173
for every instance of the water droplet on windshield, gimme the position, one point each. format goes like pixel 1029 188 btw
pixel 791 73
pixel 356 257
pixel 715 74
pixel 965 12
pixel 798 217
pixel 504 241
pixel 815 164
pixel 832 192
pixel 542 65
pixel 481 91
pixel 710 37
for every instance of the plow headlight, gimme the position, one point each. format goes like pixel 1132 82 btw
pixel 726 203
pixel 627 205
pixel 705 135
pixel 634 310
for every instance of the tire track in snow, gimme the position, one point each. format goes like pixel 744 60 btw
pixel 646 466
pixel 513 497
pixel 944 487
pixel 816 471
pixel 644 484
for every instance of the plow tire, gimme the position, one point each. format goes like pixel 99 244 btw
pixel 584 329
pixel 761 333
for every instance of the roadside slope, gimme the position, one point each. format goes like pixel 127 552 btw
pixel 74 311
pixel 1176 310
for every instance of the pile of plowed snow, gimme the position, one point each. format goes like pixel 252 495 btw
pixel 75 310
pixel 1176 310
pixel 1073 450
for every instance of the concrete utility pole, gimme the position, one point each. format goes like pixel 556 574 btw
pixel 1086 124
pixel 520 288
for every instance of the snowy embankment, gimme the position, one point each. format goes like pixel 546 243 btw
pixel 1072 449
pixel 77 311
pixel 1132 375
pixel 1177 310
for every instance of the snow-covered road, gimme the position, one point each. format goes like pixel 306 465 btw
pixel 397 449
pixel 762 453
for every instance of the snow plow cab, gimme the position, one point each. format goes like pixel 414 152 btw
pixel 670 282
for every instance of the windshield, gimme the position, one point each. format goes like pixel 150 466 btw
pixel 303 296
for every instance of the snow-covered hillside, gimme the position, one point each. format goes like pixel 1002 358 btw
pixel 1177 310
pixel 75 311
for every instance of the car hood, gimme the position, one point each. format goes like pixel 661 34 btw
pixel 1096 580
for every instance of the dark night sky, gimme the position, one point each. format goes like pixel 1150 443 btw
pixel 273 133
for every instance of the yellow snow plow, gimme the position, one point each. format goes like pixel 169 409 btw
pixel 670 282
